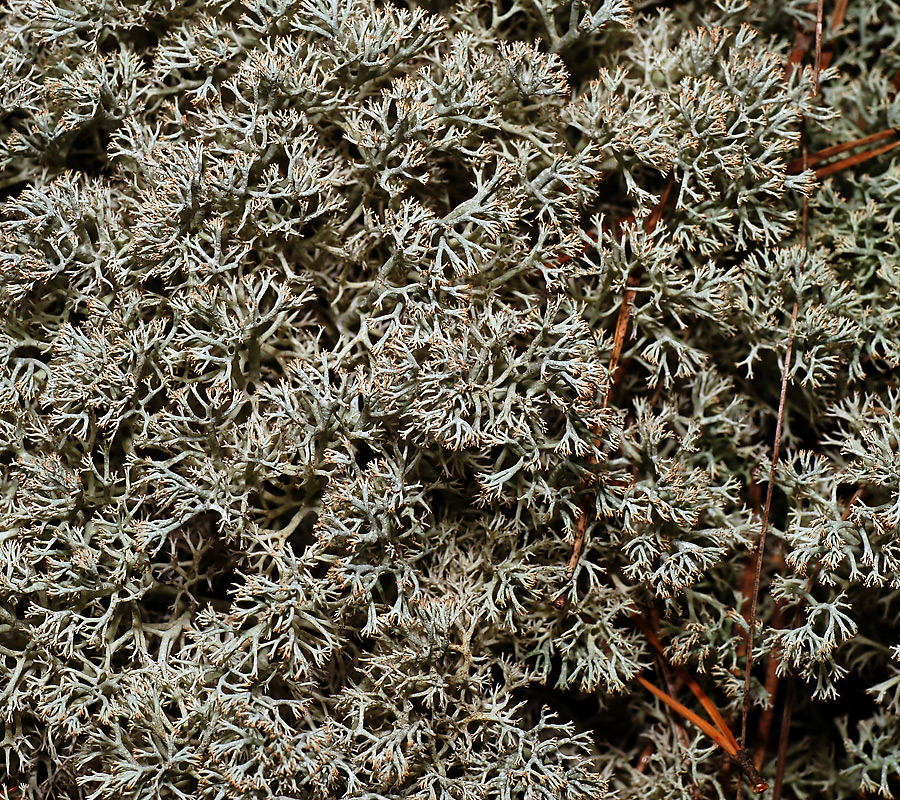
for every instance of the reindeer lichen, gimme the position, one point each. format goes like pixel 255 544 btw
pixel 367 367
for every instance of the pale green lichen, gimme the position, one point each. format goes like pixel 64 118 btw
pixel 308 310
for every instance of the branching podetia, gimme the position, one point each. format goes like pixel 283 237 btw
pixel 366 366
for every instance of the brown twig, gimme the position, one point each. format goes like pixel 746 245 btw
pixel 804 38
pixel 764 729
pixel 712 732
pixel 792 679
pixel 614 364
pixel 796 165
pixel 848 509
pixel 644 758
pixel 821 62
pixel 852 161
pixel 717 729
pixel 760 549
pixel 779 426
pixel 772 679
pixel 688 679
pixel 630 293
pixel 802 41
pixel 823 59
pixel 672 688
pixel 783 737
pixel 837 19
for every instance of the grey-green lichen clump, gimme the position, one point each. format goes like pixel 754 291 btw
pixel 308 315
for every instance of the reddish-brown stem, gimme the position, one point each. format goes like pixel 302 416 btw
pixel 764 728
pixel 682 734
pixel 800 48
pixel 771 676
pixel 837 16
pixel 776 449
pixel 804 38
pixel 852 161
pixel 725 738
pixel 727 743
pixel 789 691
pixel 644 758
pixel 688 679
pixel 796 165
pixel 772 680
pixel 837 19
pixel 784 737
pixel 615 374
pixel 767 510
pixel 848 509
pixel 628 298
pixel 817 68
pixel 712 732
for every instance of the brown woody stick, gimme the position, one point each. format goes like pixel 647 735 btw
pixel 792 678
pixel 783 738
pixel 766 719
pixel 776 450
pixel 692 684
pixel 718 730
pixel 760 549
pixel 796 165
pixel 618 343
pixel 644 758
pixel 713 733
pixel 852 161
